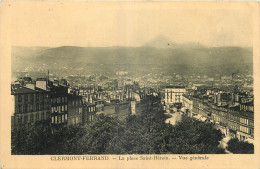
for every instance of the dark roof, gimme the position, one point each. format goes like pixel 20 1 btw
pixel 41 79
pixel 24 90
pixel 73 96
pixel 27 78
pixel 41 90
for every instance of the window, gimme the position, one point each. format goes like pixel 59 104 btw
pixel 26 98
pixel 37 107
pixel 62 118
pixel 52 120
pixel 59 119
pixel 19 98
pixel 32 97
pixel 25 118
pixel 42 106
pixel 56 119
pixel 31 118
pixel 42 116
pixel 62 108
pixel 66 117
pixel 244 129
pixel 31 107
pixel 77 120
pixel 20 109
pixel 37 117
pixel 25 108
pixel 80 110
pixel 66 108
pixel 252 131
pixel 62 99
pixel 65 99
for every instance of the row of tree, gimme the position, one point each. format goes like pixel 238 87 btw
pixel 146 133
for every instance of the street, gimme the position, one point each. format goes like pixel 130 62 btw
pixel 176 116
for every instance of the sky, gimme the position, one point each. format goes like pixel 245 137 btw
pixel 129 24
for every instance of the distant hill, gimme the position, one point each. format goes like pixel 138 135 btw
pixel 188 55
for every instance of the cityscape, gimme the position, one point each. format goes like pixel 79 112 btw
pixel 154 99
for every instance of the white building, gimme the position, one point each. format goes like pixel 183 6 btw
pixel 174 94
pixel 187 105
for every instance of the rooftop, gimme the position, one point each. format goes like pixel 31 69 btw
pixel 24 90
pixel 89 104
pixel 175 87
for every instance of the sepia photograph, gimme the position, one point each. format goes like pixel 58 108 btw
pixel 131 78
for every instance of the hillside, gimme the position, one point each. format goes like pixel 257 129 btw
pixel 71 56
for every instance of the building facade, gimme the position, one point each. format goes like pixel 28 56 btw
pixel 232 122
pixel 59 105
pixel 89 112
pixel 75 109
pixel 174 94
pixel 31 105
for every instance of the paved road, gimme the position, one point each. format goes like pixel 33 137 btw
pixel 223 144
pixel 175 118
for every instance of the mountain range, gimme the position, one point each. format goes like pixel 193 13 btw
pixel 159 50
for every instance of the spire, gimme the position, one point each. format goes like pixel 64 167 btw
pixel 47 78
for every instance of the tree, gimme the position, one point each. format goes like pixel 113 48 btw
pixel 99 135
pixel 195 137
pixel 30 139
pixel 145 133
pixel 239 147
